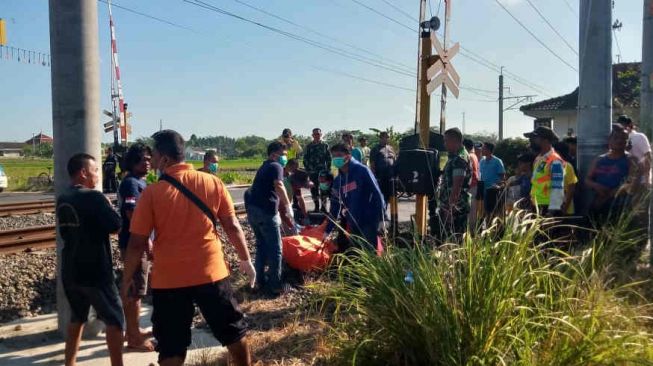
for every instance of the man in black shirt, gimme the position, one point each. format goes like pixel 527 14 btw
pixel 382 161
pixel 85 219
pixel 137 164
pixel 110 184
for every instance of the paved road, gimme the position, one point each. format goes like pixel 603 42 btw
pixel 406 207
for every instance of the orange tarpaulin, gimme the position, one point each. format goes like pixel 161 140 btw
pixel 308 252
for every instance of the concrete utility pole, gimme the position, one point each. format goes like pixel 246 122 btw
pixel 501 105
pixel 646 111
pixel 646 104
pixel 595 94
pixel 75 99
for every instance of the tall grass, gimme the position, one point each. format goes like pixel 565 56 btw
pixel 497 298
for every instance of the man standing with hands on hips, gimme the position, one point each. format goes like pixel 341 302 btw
pixel 183 209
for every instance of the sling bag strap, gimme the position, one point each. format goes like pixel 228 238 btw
pixel 192 197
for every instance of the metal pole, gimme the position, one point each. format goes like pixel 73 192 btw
pixel 595 93
pixel 75 99
pixel 501 105
pixel 646 104
pixel 445 40
pixel 424 125
pixel 422 16
pixel 463 123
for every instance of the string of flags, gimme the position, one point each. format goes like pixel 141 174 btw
pixel 24 56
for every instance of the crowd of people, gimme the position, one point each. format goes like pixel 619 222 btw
pixel 474 187
pixel 188 267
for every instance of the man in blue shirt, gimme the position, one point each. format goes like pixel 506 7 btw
pixel 356 201
pixel 493 176
pixel 137 165
pixel 267 206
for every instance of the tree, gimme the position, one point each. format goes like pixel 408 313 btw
pixel 43 150
pixel 251 146
pixel 483 136
pixel 508 150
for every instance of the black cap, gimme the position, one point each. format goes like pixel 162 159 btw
pixel 543 132
pixel 624 120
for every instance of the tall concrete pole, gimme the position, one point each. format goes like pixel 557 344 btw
pixel 501 105
pixel 595 94
pixel 646 103
pixel 646 111
pixel 75 98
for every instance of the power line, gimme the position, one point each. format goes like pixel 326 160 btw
pixel 383 15
pixel 311 30
pixel 535 37
pixel 161 20
pixel 302 39
pixel 439 5
pixel 552 27
pixel 403 12
pixel 342 73
pixel 478 59
pixel 571 8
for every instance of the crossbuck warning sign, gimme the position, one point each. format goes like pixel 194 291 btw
pixel 442 71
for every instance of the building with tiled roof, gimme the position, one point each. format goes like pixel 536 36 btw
pixel 39 139
pixel 561 113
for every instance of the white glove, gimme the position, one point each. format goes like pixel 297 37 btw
pixel 247 268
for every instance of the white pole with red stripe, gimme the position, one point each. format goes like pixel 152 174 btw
pixel 117 97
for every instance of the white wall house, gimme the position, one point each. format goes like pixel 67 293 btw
pixel 561 113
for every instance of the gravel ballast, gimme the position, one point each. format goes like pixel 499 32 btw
pixel 27 280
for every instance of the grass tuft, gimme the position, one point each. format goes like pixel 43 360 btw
pixel 497 298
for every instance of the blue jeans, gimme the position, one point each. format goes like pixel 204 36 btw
pixel 266 228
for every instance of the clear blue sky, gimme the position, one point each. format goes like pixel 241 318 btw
pixel 226 77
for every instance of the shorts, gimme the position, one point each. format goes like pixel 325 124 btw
pixel 105 299
pixel 138 288
pixel 174 310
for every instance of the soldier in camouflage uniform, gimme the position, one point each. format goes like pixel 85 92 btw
pixel 454 199
pixel 317 159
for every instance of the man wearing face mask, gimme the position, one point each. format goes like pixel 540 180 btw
pixel 356 201
pixel 547 189
pixel 210 163
pixel 267 207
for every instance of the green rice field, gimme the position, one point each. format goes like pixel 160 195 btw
pixel 19 170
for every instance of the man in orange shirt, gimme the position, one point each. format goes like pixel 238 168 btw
pixel 189 266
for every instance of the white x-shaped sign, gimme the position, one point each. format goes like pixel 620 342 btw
pixel 443 72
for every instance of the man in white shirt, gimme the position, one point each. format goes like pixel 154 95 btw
pixel 640 148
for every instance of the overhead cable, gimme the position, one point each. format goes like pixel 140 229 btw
pixel 535 37
pixel 572 48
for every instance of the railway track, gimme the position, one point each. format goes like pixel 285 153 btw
pixel 19 240
pixel 40 237
pixel 26 208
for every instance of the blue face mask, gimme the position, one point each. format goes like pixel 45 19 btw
pixel 325 186
pixel 213 168
pixel 283 160
pixel 339 162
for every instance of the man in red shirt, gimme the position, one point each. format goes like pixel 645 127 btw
pixel 473 160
